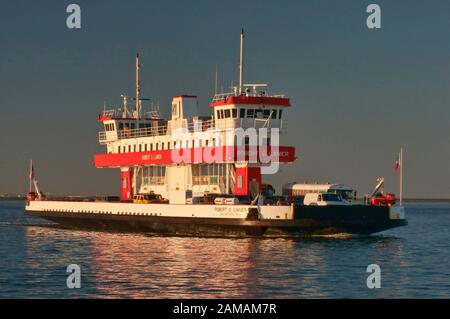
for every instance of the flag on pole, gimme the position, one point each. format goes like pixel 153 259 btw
pixel 31 176
pixel 397 163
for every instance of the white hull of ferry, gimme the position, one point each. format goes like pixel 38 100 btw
pixel 220 220
pixel 162 210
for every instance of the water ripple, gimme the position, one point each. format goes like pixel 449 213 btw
pixel 414 261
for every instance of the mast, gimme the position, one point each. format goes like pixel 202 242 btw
pixel 138 89
pixel 401 176
pixel 241 63
pixel 31 175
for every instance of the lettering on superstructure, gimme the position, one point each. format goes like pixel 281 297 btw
pixel 151 157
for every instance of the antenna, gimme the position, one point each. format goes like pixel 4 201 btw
pixel 125 104
pixel 215 86
pixel 138 88
pixel 241 63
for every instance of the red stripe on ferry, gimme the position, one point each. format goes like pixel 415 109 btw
pixel 218 154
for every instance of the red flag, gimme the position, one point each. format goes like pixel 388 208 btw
pixel 397 163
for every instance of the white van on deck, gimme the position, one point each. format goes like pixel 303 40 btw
pixel 324 199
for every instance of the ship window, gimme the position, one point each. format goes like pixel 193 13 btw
pixel 234 112
pixel 151 146
pixel 218 114
pixel 118 149
pixel 155 175
pixel 206 143
pixel 144 125
pixel 129 148
pixel 227 113
pixel 140 148
pixel 279 114
pixel 242 115
pixel 134 148
pixel 274 114
pixel 156 146
pixel 120 126
pixel 259 114
pixel 162 145
pixel 250 113
pixel 132 126
pixel 145 147
pixel 247 140
pixel 266 114
pixel 222 114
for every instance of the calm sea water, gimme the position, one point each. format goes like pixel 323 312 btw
pixel 414 261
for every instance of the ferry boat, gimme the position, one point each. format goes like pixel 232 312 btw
pixel 203 175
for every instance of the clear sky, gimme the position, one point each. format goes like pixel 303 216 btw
pixel 358 95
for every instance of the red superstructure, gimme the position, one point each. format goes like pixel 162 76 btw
pixel 222 153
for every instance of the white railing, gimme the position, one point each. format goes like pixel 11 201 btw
pixel 222 96
pixel 113 113
pixel 118 113
pixel 192 127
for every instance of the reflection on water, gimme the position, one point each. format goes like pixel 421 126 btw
pixel 136 265
pixel 414 262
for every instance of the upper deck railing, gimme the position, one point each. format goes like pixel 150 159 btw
pixel 223 96
pixel 119 114
pixel 192 127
